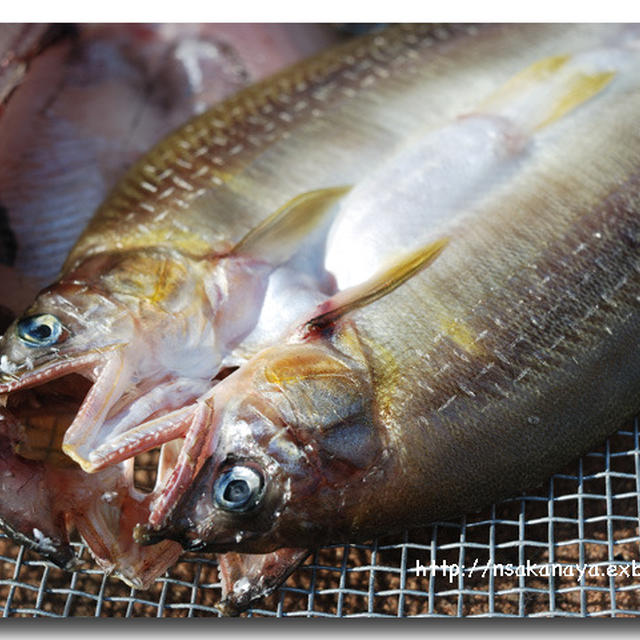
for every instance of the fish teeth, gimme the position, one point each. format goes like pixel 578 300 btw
pixel 6 366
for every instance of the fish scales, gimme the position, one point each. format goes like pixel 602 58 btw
pixel 300 130
pixel 552 363
pixel 515 351
pixel 323 124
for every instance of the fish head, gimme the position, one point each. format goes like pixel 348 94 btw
pixel 68 324
pixel 292 445
pixel 78 319
pixel 30 510
pixel 88 340
pixel 58 348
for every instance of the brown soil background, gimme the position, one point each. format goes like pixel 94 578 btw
pixel 587 514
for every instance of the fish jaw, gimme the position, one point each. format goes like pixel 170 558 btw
pixel 143 438
pixel 88 365
pixel 248 577
pixel 106 524
pixel 90 436
pixel 86 428
pixel 43 404
pixel 106 373
pixel 187 463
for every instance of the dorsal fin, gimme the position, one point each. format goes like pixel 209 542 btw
pixel 278 237
pixel 537 73
pixel 379 285
pixel 546 91
pixel 579 88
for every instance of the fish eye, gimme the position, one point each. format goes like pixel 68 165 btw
pixel 39 331
pixel 238 489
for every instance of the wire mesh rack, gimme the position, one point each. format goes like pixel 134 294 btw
pixel 568 548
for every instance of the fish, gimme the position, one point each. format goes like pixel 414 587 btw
pixel 95 269
pixel 45 497
pixel 148 306
pixel 458 376
pixel 64 83
pixel 93 98
pixel 482 149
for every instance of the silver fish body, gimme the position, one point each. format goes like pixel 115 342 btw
pixel 514 352
pixel 138 301
pixel 150 301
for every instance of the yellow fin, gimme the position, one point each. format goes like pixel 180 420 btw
pixel 278 237
pixel 537 72
pixel 379 285
pixel 579 89
pixel 555 85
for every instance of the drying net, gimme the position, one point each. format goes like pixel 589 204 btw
pixel 568 548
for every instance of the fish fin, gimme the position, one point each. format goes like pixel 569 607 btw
pixel 248 577
pixel 579 89
pixel 379 285
pixel 278 237
pixel 538 72
pixel 545 92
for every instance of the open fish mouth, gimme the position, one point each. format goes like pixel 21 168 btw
pixel 91 407
pixel 96 411
pixel 66 398
pixel 43 406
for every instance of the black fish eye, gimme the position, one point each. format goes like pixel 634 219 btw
pixel 39 331
pixel 238 489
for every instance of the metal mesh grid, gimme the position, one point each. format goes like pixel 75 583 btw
pixel 588 515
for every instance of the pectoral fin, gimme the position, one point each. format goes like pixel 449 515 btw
pixel 278 237
pixel 379 285
pixel 248 577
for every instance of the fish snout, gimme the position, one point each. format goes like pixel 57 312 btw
pixel 179 531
